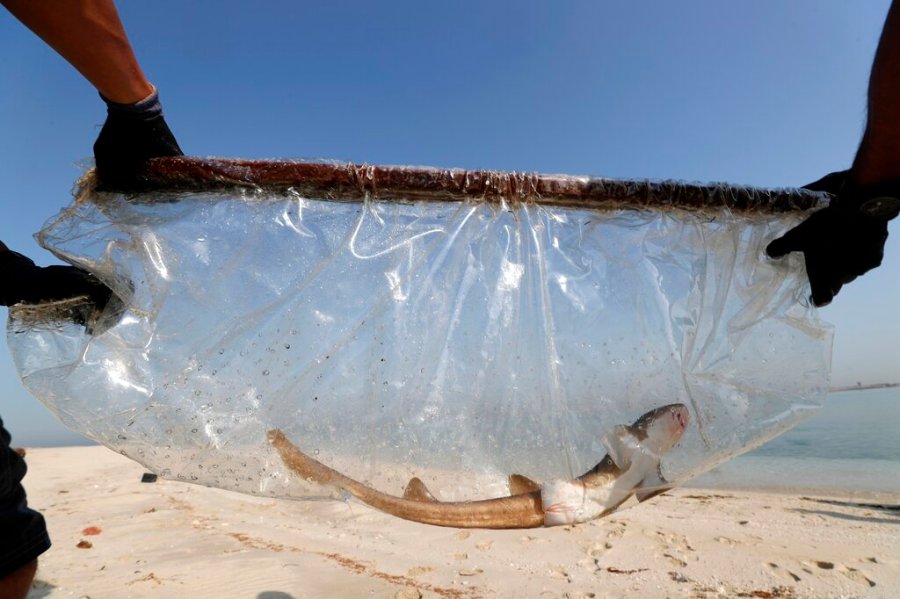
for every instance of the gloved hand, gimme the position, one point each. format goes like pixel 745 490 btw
pixel 24 282
pixel 131 135
pixel 839 242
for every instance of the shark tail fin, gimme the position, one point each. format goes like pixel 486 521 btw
pixel 520 485
pixel 417 491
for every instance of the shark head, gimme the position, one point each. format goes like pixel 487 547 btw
pixel 651 436
pixel 635 452
pixel 660 429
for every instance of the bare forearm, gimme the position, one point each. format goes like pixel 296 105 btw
pixel 878 158
pixel 88 34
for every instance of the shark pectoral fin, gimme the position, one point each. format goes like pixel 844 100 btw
pixel 520 485
pixel 417 491
pixel 652 486
pixel 651 493
pixel 621 443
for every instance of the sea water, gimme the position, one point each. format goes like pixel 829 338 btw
pixel 852 443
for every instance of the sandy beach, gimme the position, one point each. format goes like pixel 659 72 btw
pixel 114 536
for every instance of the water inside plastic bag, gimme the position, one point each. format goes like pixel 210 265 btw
pixel 454 341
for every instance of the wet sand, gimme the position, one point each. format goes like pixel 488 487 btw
pixel 117 537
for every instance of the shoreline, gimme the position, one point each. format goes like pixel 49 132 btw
pixel 114 536
pixel 800 492
pixel 863 387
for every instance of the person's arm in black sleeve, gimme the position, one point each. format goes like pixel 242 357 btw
pixel 90 36
pixel 21 281
pixel 847 238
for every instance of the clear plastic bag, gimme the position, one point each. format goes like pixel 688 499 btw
pixel 457 342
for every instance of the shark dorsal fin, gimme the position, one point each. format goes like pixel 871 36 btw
pixel 417 491
pixel 519 485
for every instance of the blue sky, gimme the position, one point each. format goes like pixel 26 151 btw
pixel 761 93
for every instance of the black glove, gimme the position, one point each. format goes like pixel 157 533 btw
pixel 23 282
pixel 131 135
pixel 839 242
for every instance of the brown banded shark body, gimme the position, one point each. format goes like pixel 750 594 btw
pixel 632 467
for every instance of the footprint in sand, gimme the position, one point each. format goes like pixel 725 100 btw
pixel 591 561
pixel 560 572
pixel 598 549
pixel 678 577
pixel 470 572
pixel 675 561
pixel 617 531
pixel 811 565
pixel 418 571
pixel 783 572
pixel 856 576
pixel 851 573
pixel 670 543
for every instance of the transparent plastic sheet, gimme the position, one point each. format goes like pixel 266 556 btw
pixel 458 342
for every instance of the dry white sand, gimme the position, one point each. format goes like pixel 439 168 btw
pixel 116 537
